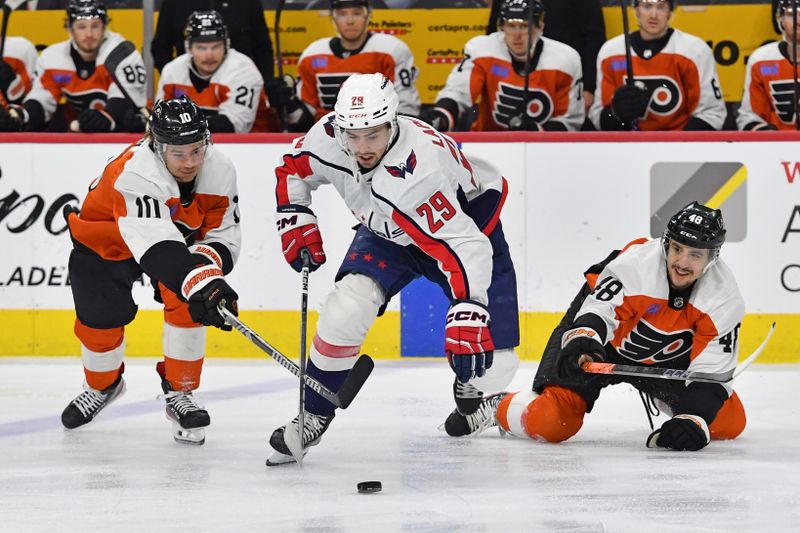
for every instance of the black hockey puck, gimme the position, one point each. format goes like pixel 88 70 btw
pixel 367 487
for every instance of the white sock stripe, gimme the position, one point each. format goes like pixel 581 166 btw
pixel 102 361
pixel 184 344
pixel 517 410
pixel 331 364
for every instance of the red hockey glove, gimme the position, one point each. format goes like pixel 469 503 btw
pixel 298 228
pixel 467 340
pixel 578 345
pixel 681 432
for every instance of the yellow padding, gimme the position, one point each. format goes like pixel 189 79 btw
pixel 49 332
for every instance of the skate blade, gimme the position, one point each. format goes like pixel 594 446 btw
pixel 293 442
pixel 194 436
pixel 278 459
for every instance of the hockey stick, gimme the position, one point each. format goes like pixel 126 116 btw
pixel 8 7
pixel 516 121
pixel 301 413
pixel 347 392
pixel 279 54
pixel 674 373
pixel 794 65
pixel 628 55
pixel 114 59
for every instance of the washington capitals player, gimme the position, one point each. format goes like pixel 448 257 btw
pixel 327 62
pixel 677 87
pixel 424 210
pixel 669 302
pixel 166 206
pixel 769 79
pixel 492 76
pixel 72 82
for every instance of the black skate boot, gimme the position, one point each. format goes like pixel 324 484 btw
pixel 89 403
pixel 282 442
pixel 468 397
pixel 458 425
pixel 187 416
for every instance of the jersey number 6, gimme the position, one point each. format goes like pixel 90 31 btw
pixel 437 203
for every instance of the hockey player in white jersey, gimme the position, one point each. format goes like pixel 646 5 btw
pixel 676 87
pixel 492 76
pixel 165 207
pixel 667 303
pixel 72 83
pixel 326 63
pixel 17 71
pixel 223 82
pixel 424 210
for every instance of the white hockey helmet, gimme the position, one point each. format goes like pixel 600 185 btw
pixel 365 101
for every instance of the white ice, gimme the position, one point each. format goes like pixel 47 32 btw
pixel 124 472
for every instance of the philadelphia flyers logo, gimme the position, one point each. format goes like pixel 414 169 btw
pixel 508 102
pixel 328 86
pixel 666 96
pixel 782 93
pixel 648 345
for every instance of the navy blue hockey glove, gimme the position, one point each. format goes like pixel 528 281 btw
pixel 578 345
pixel 95 121
pixel 681 432
pixel 467 341
pixel 630 102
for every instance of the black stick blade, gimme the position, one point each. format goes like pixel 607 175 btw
pixel 355 380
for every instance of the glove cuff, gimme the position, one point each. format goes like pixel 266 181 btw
pixel 701 423
pixel 578 333
pixel 208 252
pixel 468 313
pixel 199 278
pixel 292 216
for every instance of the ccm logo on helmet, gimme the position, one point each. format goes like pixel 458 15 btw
pixel 467 315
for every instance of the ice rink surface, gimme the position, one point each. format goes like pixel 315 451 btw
pixel 124 472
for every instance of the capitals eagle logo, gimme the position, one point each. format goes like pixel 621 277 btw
pixel 402 169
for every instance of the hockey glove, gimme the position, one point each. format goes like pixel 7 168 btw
pixel 11 119
pixel 7 76
pixel 630 102
pixel 279 92
pixel 204 288
pixel 297 226
pixel 467 341
pixel 133 121
pixel 95 121
pixel 681 432
pixel 438 118
pixel 578 345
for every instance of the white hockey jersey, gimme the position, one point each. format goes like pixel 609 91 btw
pixel 647 323
pixel 57 78
pixel 21 55
pixel 413 197
pixel 323 67
pixel 487 77
pixel 768 89
pixel 235 89
pixel 136 204
pixel 682 77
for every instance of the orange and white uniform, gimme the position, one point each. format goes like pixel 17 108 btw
pixel 21 55
pixel 137 218
pixel 489 77
pixel 60 79
pixel 768 89
pixel 235 90
pixel 682 76
pixel 641 320
pixel 324 65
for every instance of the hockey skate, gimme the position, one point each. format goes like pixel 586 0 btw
pixel 89 403
pixel 468 398
pixel 283 441
pixel 188 418
pixel 458 425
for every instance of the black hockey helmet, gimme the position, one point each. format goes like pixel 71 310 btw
pixel 520 10
pixel 177 121
pixel 697 226
pixel 670 2
pixel 86 9
pixel 335 4
pixel 781 8
pixel 205 26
